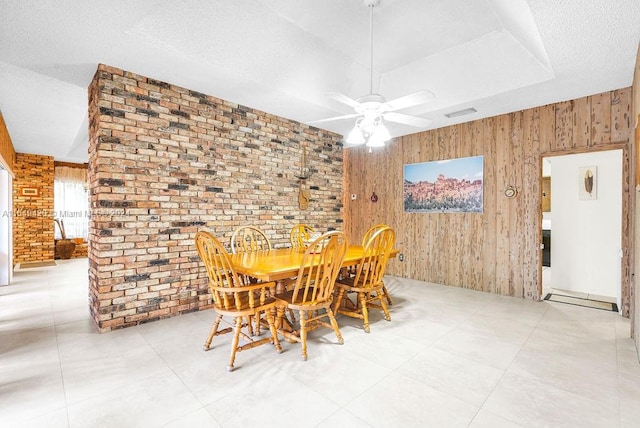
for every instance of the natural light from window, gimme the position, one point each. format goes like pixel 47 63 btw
pixel 71 203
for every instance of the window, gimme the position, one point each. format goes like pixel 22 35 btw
pixel 71 203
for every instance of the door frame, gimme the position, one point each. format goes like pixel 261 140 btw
pixel 627 242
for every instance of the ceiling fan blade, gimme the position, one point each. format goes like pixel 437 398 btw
pixel 419 97
pixel 331 119
pixel 418 122
pixel 344 99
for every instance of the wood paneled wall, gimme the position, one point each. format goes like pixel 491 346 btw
pixel 7 152
pixel 635 289
pixel 497 251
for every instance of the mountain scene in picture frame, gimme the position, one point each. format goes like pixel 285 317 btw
pixel 450 186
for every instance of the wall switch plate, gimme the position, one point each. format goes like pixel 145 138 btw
pixel 401 257
pixel 354 196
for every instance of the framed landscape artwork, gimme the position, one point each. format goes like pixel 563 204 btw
pixel 449 186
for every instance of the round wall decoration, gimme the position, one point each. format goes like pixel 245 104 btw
pixel 510 192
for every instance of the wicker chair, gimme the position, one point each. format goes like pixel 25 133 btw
pixel 367 282
pixel 312 293
pixel 249 238
pixel 299 235
pixel 235 298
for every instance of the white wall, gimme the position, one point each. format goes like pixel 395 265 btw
pixel 6 252
pixel 586 234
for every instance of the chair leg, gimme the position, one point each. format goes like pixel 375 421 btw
pixel 303 333
pixel 274 332
pixel 334 324
pixel 386 294
pixel 234 343
pixel 362 298
pixel 338 301
pixel 279 316
pixel 250 325
pixel 385 309
pixel 292 314
pixel 214 330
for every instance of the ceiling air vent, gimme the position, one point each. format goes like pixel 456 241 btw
pixel 461 112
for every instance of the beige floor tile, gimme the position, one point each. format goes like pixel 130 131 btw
pixel 209 381
pixel 531 403
pixel 443 355
pixel 94 375
pixel 198 419
pixel 580 377
pixel 272 401
pixel 454 375
pixel 400 401
pixel 330 366
pixel 30 390
pixel 486 419
pixel 342 418
pixel 592 350
pixel 480 347
pixel 153 401
pixel 385 347
pixel 55 419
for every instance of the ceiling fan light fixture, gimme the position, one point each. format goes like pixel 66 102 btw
pixel 355 137
pixel 379 136
pixel 373 107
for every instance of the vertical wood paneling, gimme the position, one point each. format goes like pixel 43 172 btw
pixel 516 220
pixel 7 152
pixel 531 200
pixel 490 211
pixel 564 126
pixel 601 118
pixel 547 130
pixel 621 115
pixel 627 231
pixel 635 289
pixel 582 125
pixel 499 250
pixel 503 159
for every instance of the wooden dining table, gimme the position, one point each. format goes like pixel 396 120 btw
pixel 282 263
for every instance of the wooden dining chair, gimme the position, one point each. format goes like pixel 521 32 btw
pixel 365 239
pixel 367 281
pixel 249 238
pixel 300 235
pixel 235 298
pixel 312 293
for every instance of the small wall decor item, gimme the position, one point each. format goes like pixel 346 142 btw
pixel 588 183
pixel 304 195
pixel 511 192
pixel 452 185
pixel 30 191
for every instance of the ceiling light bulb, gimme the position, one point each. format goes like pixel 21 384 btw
pixel 355 137
pixel 379 136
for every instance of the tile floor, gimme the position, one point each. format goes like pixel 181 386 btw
pixel 449 358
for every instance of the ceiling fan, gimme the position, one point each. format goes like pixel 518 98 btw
pixel 373 108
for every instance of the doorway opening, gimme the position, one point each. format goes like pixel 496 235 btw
pixel 582 214
pixel 6 233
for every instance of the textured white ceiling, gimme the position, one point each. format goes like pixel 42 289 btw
pixel 284 56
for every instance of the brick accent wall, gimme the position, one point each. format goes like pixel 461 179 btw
pixel 33 215
pixel 165 162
